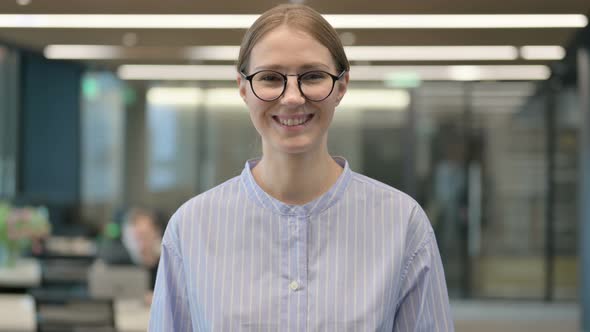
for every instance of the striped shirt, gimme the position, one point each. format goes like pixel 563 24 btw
pixel 361 257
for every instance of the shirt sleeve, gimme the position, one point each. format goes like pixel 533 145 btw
pixel 423 301
pixel 170 307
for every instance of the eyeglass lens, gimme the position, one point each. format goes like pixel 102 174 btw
pixel 315 85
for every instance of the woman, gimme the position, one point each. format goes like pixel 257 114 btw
pixel 298 241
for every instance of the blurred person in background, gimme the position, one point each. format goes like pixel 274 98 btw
pixel 142 236
pixel 298 241
pixel 449 191
pixel 137 242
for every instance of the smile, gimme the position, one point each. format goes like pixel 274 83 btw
pixel 293 121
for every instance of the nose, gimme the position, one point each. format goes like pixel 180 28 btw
pixel 292 95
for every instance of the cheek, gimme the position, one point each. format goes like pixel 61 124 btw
pixel 257 112
pixel 252 102
pixel 254 109
pixel 329 106
pixel 257 107
pixel 329 116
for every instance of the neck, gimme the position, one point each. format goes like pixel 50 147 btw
pixel 297 179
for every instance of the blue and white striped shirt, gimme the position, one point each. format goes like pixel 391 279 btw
pixel 361 257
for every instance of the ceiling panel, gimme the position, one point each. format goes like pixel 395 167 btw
pixel 173 37
pixel 324 6
pixel 36 39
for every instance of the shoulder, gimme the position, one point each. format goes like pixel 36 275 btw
pixel 189 211
pixel 219 193
pixel 382 192
pixel 399 206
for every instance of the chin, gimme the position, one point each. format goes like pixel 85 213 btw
pixel 296 147
pixel 295 151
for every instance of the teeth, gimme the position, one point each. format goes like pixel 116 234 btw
pixel 292 122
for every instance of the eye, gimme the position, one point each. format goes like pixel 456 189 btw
pixel 314 76
pixel 268 77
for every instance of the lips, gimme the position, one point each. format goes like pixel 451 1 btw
pixel 293 120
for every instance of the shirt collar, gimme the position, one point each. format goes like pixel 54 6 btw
pixel 314 207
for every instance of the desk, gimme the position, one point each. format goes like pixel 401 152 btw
pixel 17 313
pixel 63 246
pixel 131 315
pixel 26 274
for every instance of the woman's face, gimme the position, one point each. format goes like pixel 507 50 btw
pixel 290 51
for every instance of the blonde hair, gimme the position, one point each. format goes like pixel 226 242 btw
pixel 300 17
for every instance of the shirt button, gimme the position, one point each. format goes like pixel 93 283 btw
pixel 294 285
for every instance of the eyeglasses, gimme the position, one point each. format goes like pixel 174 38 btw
pixel 269 85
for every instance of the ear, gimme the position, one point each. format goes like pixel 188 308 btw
pixel 242 86
pixel 342 87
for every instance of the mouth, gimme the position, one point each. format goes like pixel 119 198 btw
pixel 293 121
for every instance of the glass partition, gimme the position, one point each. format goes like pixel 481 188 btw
pixel 9 83
pixel 477 151
pixel 102 166
pixel 565 204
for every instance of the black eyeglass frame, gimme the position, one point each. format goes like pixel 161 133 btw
pixel 285 77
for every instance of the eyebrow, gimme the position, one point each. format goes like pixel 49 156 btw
pixel 312 65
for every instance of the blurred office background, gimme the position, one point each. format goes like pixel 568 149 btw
pixel 485 121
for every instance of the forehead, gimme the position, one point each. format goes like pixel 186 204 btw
pixel 288 48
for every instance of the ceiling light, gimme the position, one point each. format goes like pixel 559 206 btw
pixel 457 21
pixel 126 21
pixel 454 73
pixel 499 73
pixel 548 52
pixel 110 52
pixel 229 98
pixel 83 52
pixel 224 98
pixel 464 73
pixel 379 99
pixel 354 53
pixel 355 98
pixel 145 21
pixel 219 53
pixel 358 73
pixel 430 53
pixel 176 96
pixel 178 72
